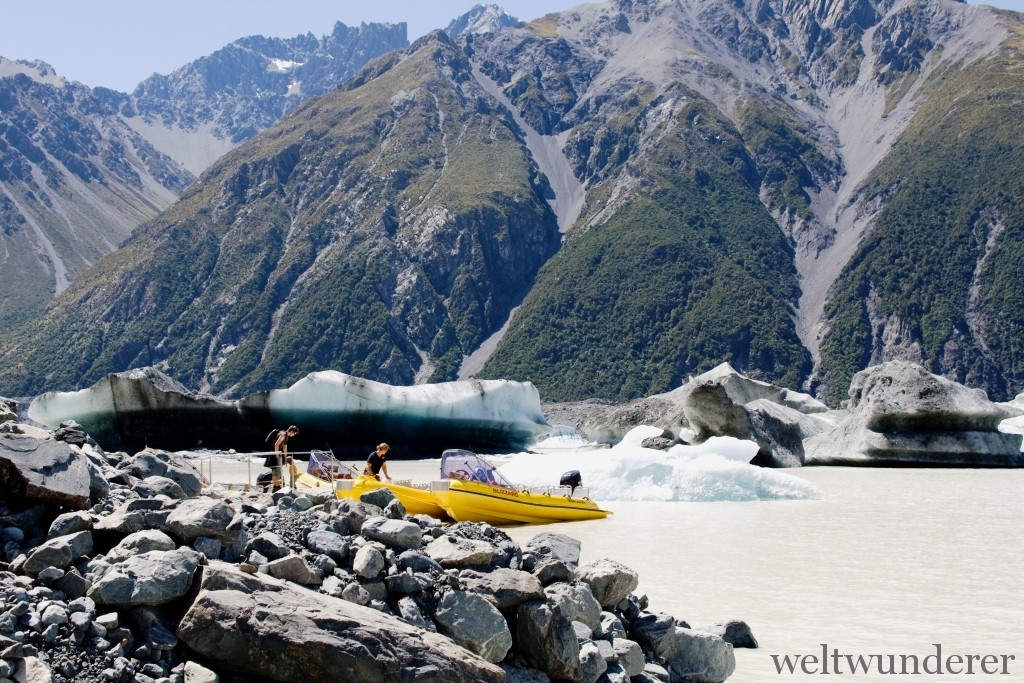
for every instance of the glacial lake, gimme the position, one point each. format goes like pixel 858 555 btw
pixel 890 562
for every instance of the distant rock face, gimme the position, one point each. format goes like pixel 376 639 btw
pixel 481 19
pixel 246 86
pixel 8 410
pixel 899 413
pixel 74 181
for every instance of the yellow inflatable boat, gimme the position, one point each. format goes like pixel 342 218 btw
pixel 471 490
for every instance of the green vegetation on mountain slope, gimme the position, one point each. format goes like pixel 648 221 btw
pixel 689 272
pixel 383 231
pixel 943 264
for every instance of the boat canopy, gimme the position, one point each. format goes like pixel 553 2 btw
pixel 323 465
pixel 467 466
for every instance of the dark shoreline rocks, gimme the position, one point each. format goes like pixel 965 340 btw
pixel 138 586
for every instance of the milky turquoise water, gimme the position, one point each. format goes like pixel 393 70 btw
pixel 891 561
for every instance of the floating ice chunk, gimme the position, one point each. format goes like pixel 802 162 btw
pixel 1014 425
pixel 727 447
pixel 717 470
pixel 636 436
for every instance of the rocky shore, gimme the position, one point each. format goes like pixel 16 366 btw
pixel 122 568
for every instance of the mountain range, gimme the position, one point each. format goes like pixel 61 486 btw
pixel 603 201
pixel 81 168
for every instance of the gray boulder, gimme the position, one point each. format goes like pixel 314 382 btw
pixel 736 633
pixel 153 578
pixel 407 582
pixel 269 545
pixel 197 673
pixel 576 601
pixel 418 561
pixel 58 552
pixel 379 497
pixel 656 632
pixel 395 533
pixel 545 640
pixel 592 663
pixel 152 625
pixel 154 486
pixel 203 517
pixel 69 523
pixel 610 581
pixel 474 623
pixel 138 543
pixel 502 587
pixel 368 562
pixel 553 571
pixel 353 592
pixel 452 552
pixel 156 463
pixel 408 609
pixel 899 413
pixel 295 569
pixel 609 627
pixel 629 655
pixel 700 657
pixel 48 471
pixel 328 543
pixel 558 547
pixel 353 514
pixel 271 629
pixel 135 515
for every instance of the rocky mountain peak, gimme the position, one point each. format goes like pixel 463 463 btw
pixel 225 98
pixel 39 71
pixel 481 19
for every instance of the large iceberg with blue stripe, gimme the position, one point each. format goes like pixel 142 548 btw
pixel 139 408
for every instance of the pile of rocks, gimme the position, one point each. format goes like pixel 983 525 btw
pixel 125 570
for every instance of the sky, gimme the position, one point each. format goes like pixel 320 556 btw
pixel 118 43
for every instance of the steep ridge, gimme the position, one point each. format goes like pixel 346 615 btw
pixel 81 167
pixel 938 279
pixel 73 184
pixel 201 110
pixel 820 93
pixel 379 229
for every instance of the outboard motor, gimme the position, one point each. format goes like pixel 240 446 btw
pixel 572 479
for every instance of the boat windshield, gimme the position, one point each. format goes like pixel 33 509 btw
pixel 467 466
pixel 323 465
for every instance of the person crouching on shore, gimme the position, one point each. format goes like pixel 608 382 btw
pixel 377 463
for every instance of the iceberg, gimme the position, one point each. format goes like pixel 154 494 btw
pixel 717 470
pixel 347 414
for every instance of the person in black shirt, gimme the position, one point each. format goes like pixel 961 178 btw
pixel 281 457
pixel 377 463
